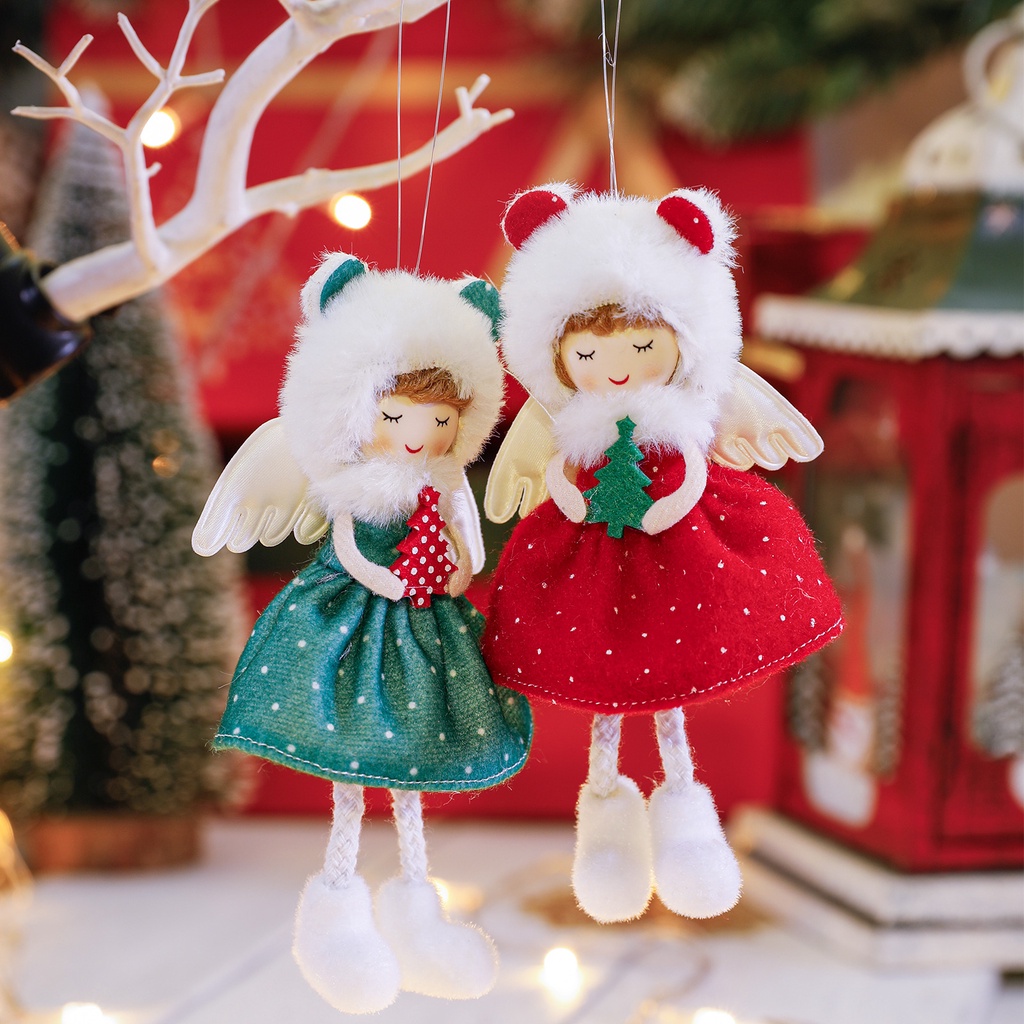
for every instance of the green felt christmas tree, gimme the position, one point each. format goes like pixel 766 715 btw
pixel 619 498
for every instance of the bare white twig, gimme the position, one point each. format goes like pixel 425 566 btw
pixel 146 59
pixel 76 110
pixel 145 235
pixel 221 200
pixel 289 195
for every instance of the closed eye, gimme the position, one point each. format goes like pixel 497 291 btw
pixel 442 423
pixel 587 355
pixel 391 419
pixel 645 348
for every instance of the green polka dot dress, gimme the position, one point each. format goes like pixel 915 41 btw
pixel 342 683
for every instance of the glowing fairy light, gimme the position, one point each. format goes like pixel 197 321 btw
pixel 456 898
pixel 351 211
pixel 443 891
pixel 709 1016
pixel 561 973
pixel 6 647
pixel 83 1013
pixel 161 128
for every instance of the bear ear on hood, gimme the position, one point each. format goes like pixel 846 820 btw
pixel 482 296
pixel 526 211
pixel 336 270
pixel 699 218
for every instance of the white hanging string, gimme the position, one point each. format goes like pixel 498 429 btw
pixel 398 133
pixel 437 123
pixel 610 59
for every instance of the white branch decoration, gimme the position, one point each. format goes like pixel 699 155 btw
pixel 221 201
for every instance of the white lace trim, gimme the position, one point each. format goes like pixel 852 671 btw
pixel 889 333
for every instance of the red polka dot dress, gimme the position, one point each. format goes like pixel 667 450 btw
pixel 731 594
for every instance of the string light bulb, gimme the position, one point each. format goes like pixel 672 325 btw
pixel 6 647
pixel 351 211
pixel 706 1015
pixel 83 1013
pixel 560 974
pixel 162 128
pixel 443 892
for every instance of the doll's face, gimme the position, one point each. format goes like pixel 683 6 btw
pixel 413 430
pixel 622 361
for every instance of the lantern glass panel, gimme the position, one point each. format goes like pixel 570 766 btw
pixel 845 702
pixel 997 654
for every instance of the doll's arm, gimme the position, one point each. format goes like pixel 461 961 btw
pixel 463 575
pixel 565 495
pixel 466 519
pixel 374 577
pixel 667 511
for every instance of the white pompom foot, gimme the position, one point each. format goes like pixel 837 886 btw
pixel 695 870
pixel 339 950
pixel 437 957
pixel 611 871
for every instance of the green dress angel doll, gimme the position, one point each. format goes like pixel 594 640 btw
pixel 365 668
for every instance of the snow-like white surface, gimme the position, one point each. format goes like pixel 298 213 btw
pixel 209 944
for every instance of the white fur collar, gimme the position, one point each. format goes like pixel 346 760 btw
pixel 667 417
pixel 381 490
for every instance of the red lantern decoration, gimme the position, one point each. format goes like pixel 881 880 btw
pixel 905 738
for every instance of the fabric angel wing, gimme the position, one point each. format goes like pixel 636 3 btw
pixel 466 517
pixel 516 480
pixel 260 497
pixel 759 426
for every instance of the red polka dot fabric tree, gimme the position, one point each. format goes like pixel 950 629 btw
pixel 425 563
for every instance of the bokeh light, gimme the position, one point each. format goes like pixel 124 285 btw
pixel 161 128
pixel 83 1013
pixel 709 1016
pixel 561 974
pixel 351 211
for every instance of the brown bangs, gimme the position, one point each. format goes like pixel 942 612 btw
pixel 430 385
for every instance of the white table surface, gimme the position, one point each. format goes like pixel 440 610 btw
pixel 209 944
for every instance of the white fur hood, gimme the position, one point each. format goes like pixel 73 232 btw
pixel 670 260
pixel 360 330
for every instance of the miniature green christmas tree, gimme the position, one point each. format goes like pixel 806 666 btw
pixel 122 637
pixel 619 498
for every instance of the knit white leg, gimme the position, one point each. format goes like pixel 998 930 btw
pixel 337 946
pixel 695 871
pixel 343 843
pixel 412 843
pixel 437 956
pixel 603 768
pixel 611 871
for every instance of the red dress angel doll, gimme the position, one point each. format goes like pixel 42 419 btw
pixel 659 573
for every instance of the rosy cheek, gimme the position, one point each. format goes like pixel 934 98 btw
pixel 441 442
